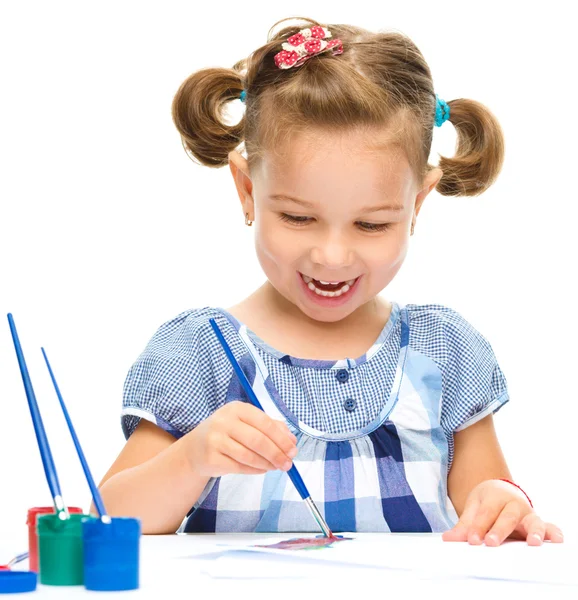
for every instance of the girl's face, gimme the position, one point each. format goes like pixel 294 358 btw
pixel 332 212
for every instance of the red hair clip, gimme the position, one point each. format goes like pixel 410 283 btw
pixel 301 46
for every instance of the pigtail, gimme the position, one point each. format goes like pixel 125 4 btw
pixel 479 150
pixel 197 112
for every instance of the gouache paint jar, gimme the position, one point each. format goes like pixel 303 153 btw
pixel 111 553
pixel 60 549
pixel 32 536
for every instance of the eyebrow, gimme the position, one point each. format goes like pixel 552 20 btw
pixel 367 209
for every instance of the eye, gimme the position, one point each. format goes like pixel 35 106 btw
pixel 293 219
pixel 296 220
pixel 374 226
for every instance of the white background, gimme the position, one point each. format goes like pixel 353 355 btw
pixel 108 229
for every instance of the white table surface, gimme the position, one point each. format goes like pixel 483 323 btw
pixel 190 565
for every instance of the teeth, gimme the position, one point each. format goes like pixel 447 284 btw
pixel 340 292
pixel 343 290
pixel 308 279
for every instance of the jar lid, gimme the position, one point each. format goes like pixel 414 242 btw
pixel 17 581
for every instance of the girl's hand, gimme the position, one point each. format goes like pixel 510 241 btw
pixel 240 438
pixel 496 510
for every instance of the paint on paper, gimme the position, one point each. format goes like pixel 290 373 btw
pixel 320 541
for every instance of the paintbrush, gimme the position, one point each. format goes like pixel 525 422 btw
pixel 293 472
pixel 98 503
pixel 14 561
pixel 43 445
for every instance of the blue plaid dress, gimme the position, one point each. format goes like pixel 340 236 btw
pixel 375 433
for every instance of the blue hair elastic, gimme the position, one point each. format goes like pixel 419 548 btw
pixel 442 111
pixel 441 116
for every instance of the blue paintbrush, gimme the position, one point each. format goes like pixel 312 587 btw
pixel 98 503
pixel 43 446
pixel 293 472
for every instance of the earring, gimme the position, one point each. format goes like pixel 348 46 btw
pixel 412 226
pixel 247 220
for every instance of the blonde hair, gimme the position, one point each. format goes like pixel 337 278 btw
pixel 380 81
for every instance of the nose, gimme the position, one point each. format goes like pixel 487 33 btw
pixel 333 252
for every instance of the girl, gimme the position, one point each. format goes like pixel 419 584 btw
pixel 386 409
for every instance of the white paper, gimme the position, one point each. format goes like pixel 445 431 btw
pixel 426 556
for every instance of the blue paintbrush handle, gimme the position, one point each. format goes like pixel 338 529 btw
pixel 242 377
pixel 95 493
pixel 298 482
pixel 43 445
pixel 293 472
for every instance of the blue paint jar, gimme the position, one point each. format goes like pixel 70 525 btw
pixel 111 553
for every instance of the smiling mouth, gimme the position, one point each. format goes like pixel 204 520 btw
pixel 328 289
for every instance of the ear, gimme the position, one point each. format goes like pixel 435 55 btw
pixel 431 180
pixel 240 171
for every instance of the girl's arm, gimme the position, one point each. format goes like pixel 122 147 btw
pixel 158 479
pixel 490 511
pixel 477 457
pixel 152 479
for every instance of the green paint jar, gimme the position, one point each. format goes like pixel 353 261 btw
pixel 60 549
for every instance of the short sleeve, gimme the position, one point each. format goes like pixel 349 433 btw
pixel 169 382
pixel 473 384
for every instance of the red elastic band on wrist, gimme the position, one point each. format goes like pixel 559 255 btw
pixel 508 481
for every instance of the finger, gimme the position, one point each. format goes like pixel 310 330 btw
pixel 285 429
pixel 245 456
pixel 255 440
pixel 245 470
pixel 502 524
pixel 228 465
pixel 531 529
pixel 241 469
pixel 292 453
pixel 536 529
pixel 282 437
pixel 459 532
pixel 486 517
pixel 553 533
